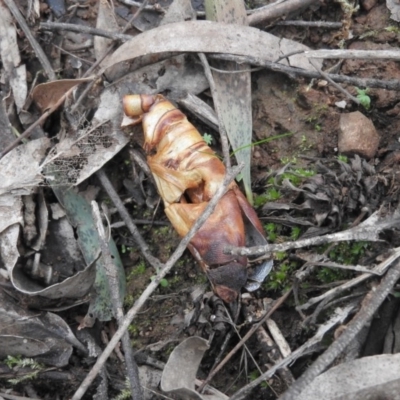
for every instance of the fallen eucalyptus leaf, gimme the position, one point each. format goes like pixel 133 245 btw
pixel 8 246
pixel 233 90
pixel 10 211
pixel 21 168
pixel 199 36
pixel 77 157
pixel 79 213
pixel 376 377
pixel 179 373
pixel 106 21
pixel 74 287
pixel 45 336
pixel 10 57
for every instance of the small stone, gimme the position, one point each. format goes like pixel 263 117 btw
pixel 357 135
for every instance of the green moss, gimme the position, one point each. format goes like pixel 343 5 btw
pixel 133 330
pixel 280 279
pixel 346 253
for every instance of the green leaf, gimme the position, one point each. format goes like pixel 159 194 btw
pixel 363 97
pixel 208 138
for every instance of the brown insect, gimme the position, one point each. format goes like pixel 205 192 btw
pixel 187 173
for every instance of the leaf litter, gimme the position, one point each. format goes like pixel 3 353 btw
pixel 338 197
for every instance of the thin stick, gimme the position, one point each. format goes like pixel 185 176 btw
pixel 84 29
pixel 356 54
pixel 35 45
pixel 380 269
pixel 368 230
pixel 370 305
pixel 144 248
pixel 113 284
pixel 392 84
pixel 311 24
pixel 253 329
pixel 272 12
pixel 154 284
pixel 338 316
pixel 332 82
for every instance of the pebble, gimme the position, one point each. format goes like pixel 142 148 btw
pixel 357 135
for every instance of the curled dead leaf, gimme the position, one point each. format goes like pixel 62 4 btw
pixel 48 95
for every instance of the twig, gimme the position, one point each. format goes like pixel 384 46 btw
pixel 113 283
pixel 332 82
pixel 268 14
pixel 272 355
pixel 338 316
pixel 12 397
pixel 144 248
pixel 277 335
pixel 35 45
pixel 84 29
pixel 368 230
pixel 72 55
pixel 370 304
pixel 360 82
pixel 120 224
pixel 154 284
pixel 221 125
pixel 311 24
pixel 357 54
pixel 357 268
pixel 379 269
pixel 268 314
pixel 156 8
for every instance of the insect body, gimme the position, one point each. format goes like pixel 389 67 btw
pixel 188 173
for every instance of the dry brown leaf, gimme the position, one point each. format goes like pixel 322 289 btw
pixel 47 95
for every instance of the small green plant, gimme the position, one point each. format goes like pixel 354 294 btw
pixel 271 194
pixel 163 282
pixel 272 231
pixel 342 158
pixel 287 160
pixel 208 138
pixel 392 28
pixel 347 253
pixel 363 98
pixel 280 255
pixel 280 278
pixel 294 176
pixel 139 269
pixel 269 139
pixel 294 235
pixel 125 393
pixel 19 362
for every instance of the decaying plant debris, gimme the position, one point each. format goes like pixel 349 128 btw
pixel 69 272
